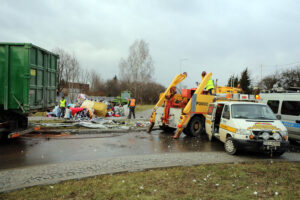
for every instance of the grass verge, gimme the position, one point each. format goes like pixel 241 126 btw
pixel 262 180
pixel 140 108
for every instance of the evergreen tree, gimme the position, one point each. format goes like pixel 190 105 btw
pixel 233 81
pixel 245 82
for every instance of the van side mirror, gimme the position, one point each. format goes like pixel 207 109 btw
pixel 278 117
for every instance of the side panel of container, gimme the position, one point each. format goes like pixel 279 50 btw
pixel 27 78
pixel 43 68
pixel 3 76
pixel 14 77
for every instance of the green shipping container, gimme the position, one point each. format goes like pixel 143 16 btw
pixel 28 78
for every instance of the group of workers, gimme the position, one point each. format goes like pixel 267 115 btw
pixel 131 106
pixel 131 102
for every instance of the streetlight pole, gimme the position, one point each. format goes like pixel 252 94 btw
pixel 181 62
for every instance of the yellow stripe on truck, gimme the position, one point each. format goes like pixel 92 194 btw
pixel 228 128
pixel 208 121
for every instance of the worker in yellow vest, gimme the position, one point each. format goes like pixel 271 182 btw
pixel 209 85
pixel 62 106
pixel 131 105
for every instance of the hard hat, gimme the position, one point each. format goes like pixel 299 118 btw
pixel 203 73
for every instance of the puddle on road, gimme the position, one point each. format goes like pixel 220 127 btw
pixel 29 151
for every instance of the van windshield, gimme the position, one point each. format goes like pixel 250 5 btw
pixel 252 111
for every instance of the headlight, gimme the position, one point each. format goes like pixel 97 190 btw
pixel 244 132
pixel 276 136
pixel 265 135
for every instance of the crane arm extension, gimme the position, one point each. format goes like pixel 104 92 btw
pixel 176 81
pixel 186 113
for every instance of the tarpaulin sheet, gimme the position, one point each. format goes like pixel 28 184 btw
pixel 100 109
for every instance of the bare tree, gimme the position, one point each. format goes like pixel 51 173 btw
pixel 63 66
pixel 85 76
pixel 269 81
pixel 138 67
pixel 285 78
pixel 97 85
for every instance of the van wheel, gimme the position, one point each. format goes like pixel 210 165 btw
pixel 230 147
pixel 196 126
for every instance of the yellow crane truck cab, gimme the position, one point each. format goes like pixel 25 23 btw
pixel 246 125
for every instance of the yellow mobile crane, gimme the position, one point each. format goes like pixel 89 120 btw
pixel 194 113
pixel 163 97
pixel 188 115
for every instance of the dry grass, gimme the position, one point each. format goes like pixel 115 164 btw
pixel 218 181
pixel 139 108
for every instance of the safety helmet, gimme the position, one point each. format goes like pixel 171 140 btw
pixel 203 73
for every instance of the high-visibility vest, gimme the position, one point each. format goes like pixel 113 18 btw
pixel 62 103
pixel 132 102
pixel 209 85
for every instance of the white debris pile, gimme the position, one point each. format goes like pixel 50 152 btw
pixel 99 123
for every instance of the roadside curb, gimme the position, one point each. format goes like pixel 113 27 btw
pixel 13 179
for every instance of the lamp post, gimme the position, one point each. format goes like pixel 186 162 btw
pixel 181 62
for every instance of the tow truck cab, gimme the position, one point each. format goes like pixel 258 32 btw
pixel 246 125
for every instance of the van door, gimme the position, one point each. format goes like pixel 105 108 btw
pixel 209 120
pixel 290 116
pixel 217 119
pixel 225 123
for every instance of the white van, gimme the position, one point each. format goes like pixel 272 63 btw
pixel 286 107
pixel 246 125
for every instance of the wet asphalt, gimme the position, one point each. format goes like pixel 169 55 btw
pixel 42 149
pixel 36 150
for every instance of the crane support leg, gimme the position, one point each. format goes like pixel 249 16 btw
pixel 160 102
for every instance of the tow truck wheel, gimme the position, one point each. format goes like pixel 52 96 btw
pixel 187 132
pixel 230 147
pixel 196 126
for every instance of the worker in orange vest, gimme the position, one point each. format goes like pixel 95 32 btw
pixel 131 105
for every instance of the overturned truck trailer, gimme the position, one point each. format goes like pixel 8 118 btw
pixel 28 82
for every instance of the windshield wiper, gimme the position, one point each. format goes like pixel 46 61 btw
pixel 241 117
pixel 264 118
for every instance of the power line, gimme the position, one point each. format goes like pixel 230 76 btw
pixel 276 65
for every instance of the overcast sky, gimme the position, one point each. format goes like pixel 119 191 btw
pixel 222 37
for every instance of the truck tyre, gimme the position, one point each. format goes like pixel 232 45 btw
pixel 187 132
pixel 196 126
pixel 167 129
pixel 230 147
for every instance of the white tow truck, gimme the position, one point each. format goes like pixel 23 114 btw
pixel 246 125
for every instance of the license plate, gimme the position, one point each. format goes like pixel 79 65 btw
pixel 272 143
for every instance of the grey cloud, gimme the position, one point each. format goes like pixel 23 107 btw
pixel 219 36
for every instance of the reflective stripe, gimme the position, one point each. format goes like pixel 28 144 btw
pixel 62 103
pixel 208 121
pixel 228 128
pixel 209 85
pixel 291 124
pixel 132 102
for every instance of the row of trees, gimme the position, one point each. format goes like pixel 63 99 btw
pixel 243 82
pixel 285 78
pixel 135 72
